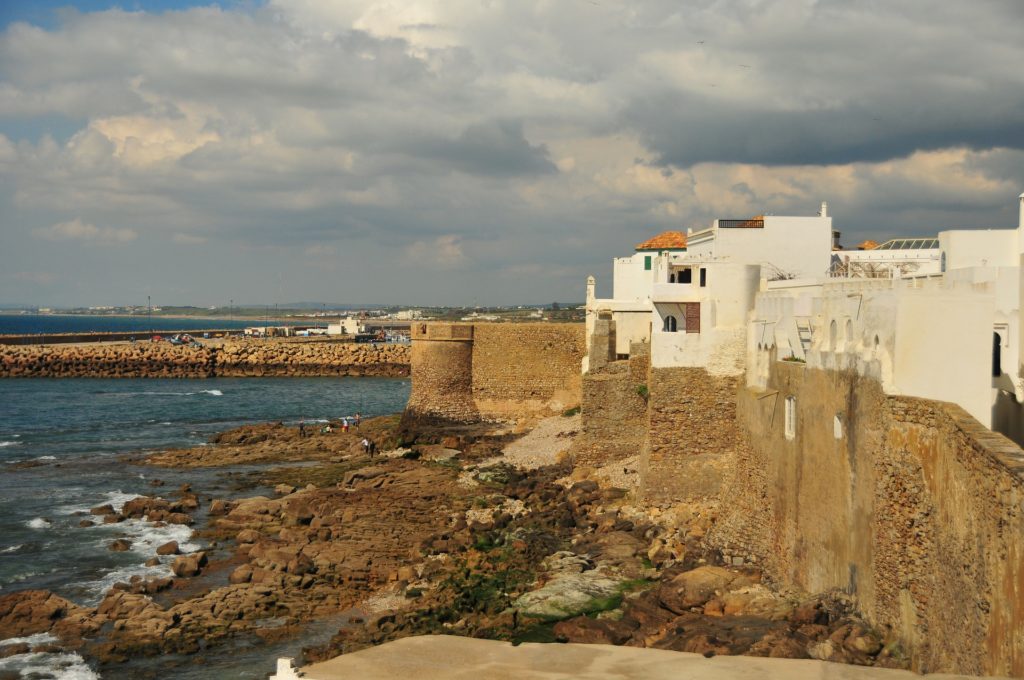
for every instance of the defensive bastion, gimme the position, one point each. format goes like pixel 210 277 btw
pixel 464 373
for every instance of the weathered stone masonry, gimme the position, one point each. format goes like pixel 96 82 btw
pixel 911 505
pixel 469 372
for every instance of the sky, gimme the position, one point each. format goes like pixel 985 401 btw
pixel 477 152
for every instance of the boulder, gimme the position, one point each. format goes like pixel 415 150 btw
pixel 120 545
pixel 242 574
pixel 569 595
pixel 248 536
pixel 169 548
pixel 189 565
pixel 29 612
pixel 694 588
pixel 107 509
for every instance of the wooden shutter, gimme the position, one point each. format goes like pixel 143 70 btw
pixel 693 317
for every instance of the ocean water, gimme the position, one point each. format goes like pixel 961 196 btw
pixel 62 444
pixel 20 324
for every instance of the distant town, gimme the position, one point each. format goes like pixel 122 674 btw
pixel 306 312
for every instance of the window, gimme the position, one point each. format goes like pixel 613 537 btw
pixel 833 335
pixel 670 324
pixel 997 359
pixel 837 427
pixel 703 277
pixel 686 276
pixel 647 263
pixel 790 417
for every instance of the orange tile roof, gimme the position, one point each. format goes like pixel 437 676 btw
pixel 666 240
pixel 867 245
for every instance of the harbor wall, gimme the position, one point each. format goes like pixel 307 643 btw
pixel 231 358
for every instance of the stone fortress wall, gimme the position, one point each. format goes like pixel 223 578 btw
pixel 463 373
pixel 231 358
pixel 909 504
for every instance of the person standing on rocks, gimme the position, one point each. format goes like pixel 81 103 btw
pixel 366 445
pixel 302 428
pixel 344 424
pixel 357 420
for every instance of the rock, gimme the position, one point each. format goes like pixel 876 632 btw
pixel 694 588
pixel 188 565
pixel 585 630
pixel 179 518
pixel 13 650
pixel 242 574
pixel 248 536
pixel 113 519
pixel 153 562
pixel 219 507
pixel 86 523
pixel 284 489
pixel 107 509
pixel 169 548
pixel 29 612
pixel 570 594
pixel 120 545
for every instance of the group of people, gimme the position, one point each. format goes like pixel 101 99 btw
pixel 347 422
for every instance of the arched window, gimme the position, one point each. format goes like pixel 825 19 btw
pixel 670 324
pixel 833 335
pixel 849 335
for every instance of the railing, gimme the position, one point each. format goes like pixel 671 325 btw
pixel 741 224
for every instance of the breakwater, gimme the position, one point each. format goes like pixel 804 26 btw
pixel 256 358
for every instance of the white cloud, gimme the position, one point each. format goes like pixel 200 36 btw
pixel 77 230
pixel 444 252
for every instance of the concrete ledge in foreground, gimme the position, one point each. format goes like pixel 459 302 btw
pixel 448 657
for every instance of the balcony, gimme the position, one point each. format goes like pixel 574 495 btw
pixel 676 292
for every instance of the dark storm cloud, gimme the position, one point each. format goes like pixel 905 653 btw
pixel 493 148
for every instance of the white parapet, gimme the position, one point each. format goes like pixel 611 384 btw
pixel 286 670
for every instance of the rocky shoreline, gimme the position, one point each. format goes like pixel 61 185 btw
pixel 438 534
pixel 219 358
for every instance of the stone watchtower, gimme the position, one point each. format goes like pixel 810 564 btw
pixel 442 374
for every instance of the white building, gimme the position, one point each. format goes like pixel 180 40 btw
pixel 347 326
pixel 688 295
pixel 933 317
pixel 785 247
pixel 895 258
pixel 949 332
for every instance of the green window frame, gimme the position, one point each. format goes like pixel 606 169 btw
pixel 647 263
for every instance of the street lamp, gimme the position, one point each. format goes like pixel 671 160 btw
pixel 149 307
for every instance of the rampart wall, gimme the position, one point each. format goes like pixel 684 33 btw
pixel 692 434
pixel 910 505
pixel 614 412
pixel 227 359
pixel 526 367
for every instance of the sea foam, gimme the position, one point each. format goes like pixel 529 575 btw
pixel 38 523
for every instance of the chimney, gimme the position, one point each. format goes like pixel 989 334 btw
pixel 824 209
